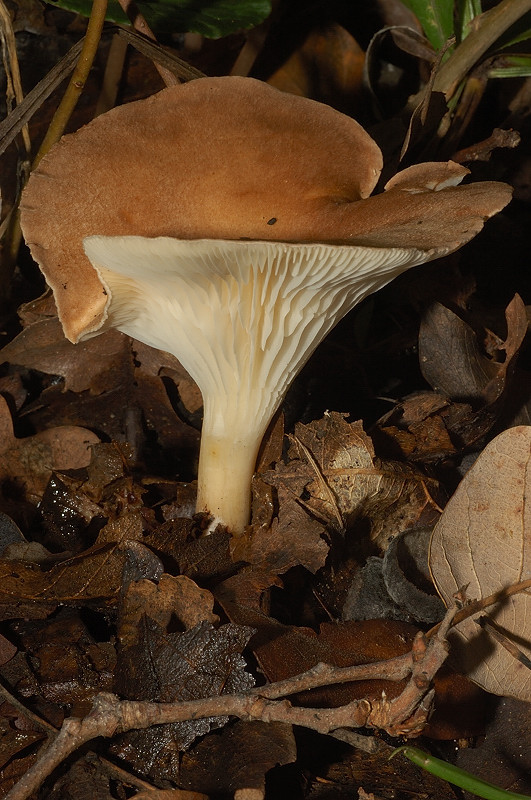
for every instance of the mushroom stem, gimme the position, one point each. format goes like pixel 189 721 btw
pixel 226 468
pixel 242 317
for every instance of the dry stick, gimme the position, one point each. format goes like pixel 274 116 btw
pixel 139 23
pixel 160 55
pixel 109 715
pixel 15 121
pixel 491 25
pixel 12 70
pixel 42 724
pixel 112 75
pixel 11 125
pixel 78 79
pixel 479 605
pixel 11 230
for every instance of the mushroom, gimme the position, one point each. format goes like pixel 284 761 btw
pixel 232 225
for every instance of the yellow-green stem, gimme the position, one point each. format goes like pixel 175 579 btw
pixel 77 81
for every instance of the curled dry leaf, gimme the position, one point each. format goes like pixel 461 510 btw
pixel 453 361
pixel 334 461
pixel 483 542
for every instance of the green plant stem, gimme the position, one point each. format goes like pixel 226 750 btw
pixel 77 81
pixel 492 24
pixel 456 775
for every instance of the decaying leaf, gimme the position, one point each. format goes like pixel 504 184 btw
pixel 95 574
pixel 26 464
pixel 471 382
pixel 238 758
pixel 328 66
pixel 43 346
pixel 292 539
pixel 200 662
pixel 453 362
pixel 482 543
pixel 334 462
pixel 177 597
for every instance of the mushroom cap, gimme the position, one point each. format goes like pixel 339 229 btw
pixel 229 158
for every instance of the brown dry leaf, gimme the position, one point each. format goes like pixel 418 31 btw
pixel 158 363
pixel 13 741
pixel 334 461
pixel 171 596
pixel 170 794
pixel 68 664
pixel 292 539
pixel 483 543
pixel 428 426
pixel 85 366
pixel 238 758
pixel 201 662
pixel 28 463
pixel 453 362
pixel 94 575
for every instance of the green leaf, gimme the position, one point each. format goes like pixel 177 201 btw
pixel 436 18
pixel 513 66
pixel 517 33
pixel 212 18
pixel 466 12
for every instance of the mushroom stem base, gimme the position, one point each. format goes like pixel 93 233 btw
pixel 226 468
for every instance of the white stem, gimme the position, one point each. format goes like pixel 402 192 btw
pixel 226 468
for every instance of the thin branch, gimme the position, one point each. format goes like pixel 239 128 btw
pixel 109 715
pixel 139 23
pixel 78 79
pixel 484 602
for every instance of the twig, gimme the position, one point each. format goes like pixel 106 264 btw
pixel 160 55
pixel 484 602
pixel 15 121
pixel 139 23
pixel 11 230
pixel 78 79
pixel 395 669
pixel 407 713
pixel 110 715
pixel 112 76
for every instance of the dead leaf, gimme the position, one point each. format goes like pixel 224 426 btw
pixel 292 539
pixel 84 366
pixel 453 361
pixel 170 794
pixel 69 665
pixel 483 543
pixel 13 740
pixel 26 464
pixel 238 758
pixel 201 662
pixel 171 597
pixel 334 461
pixel 93 575
pixel 328 66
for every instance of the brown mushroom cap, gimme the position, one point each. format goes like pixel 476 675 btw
pixel 228 158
